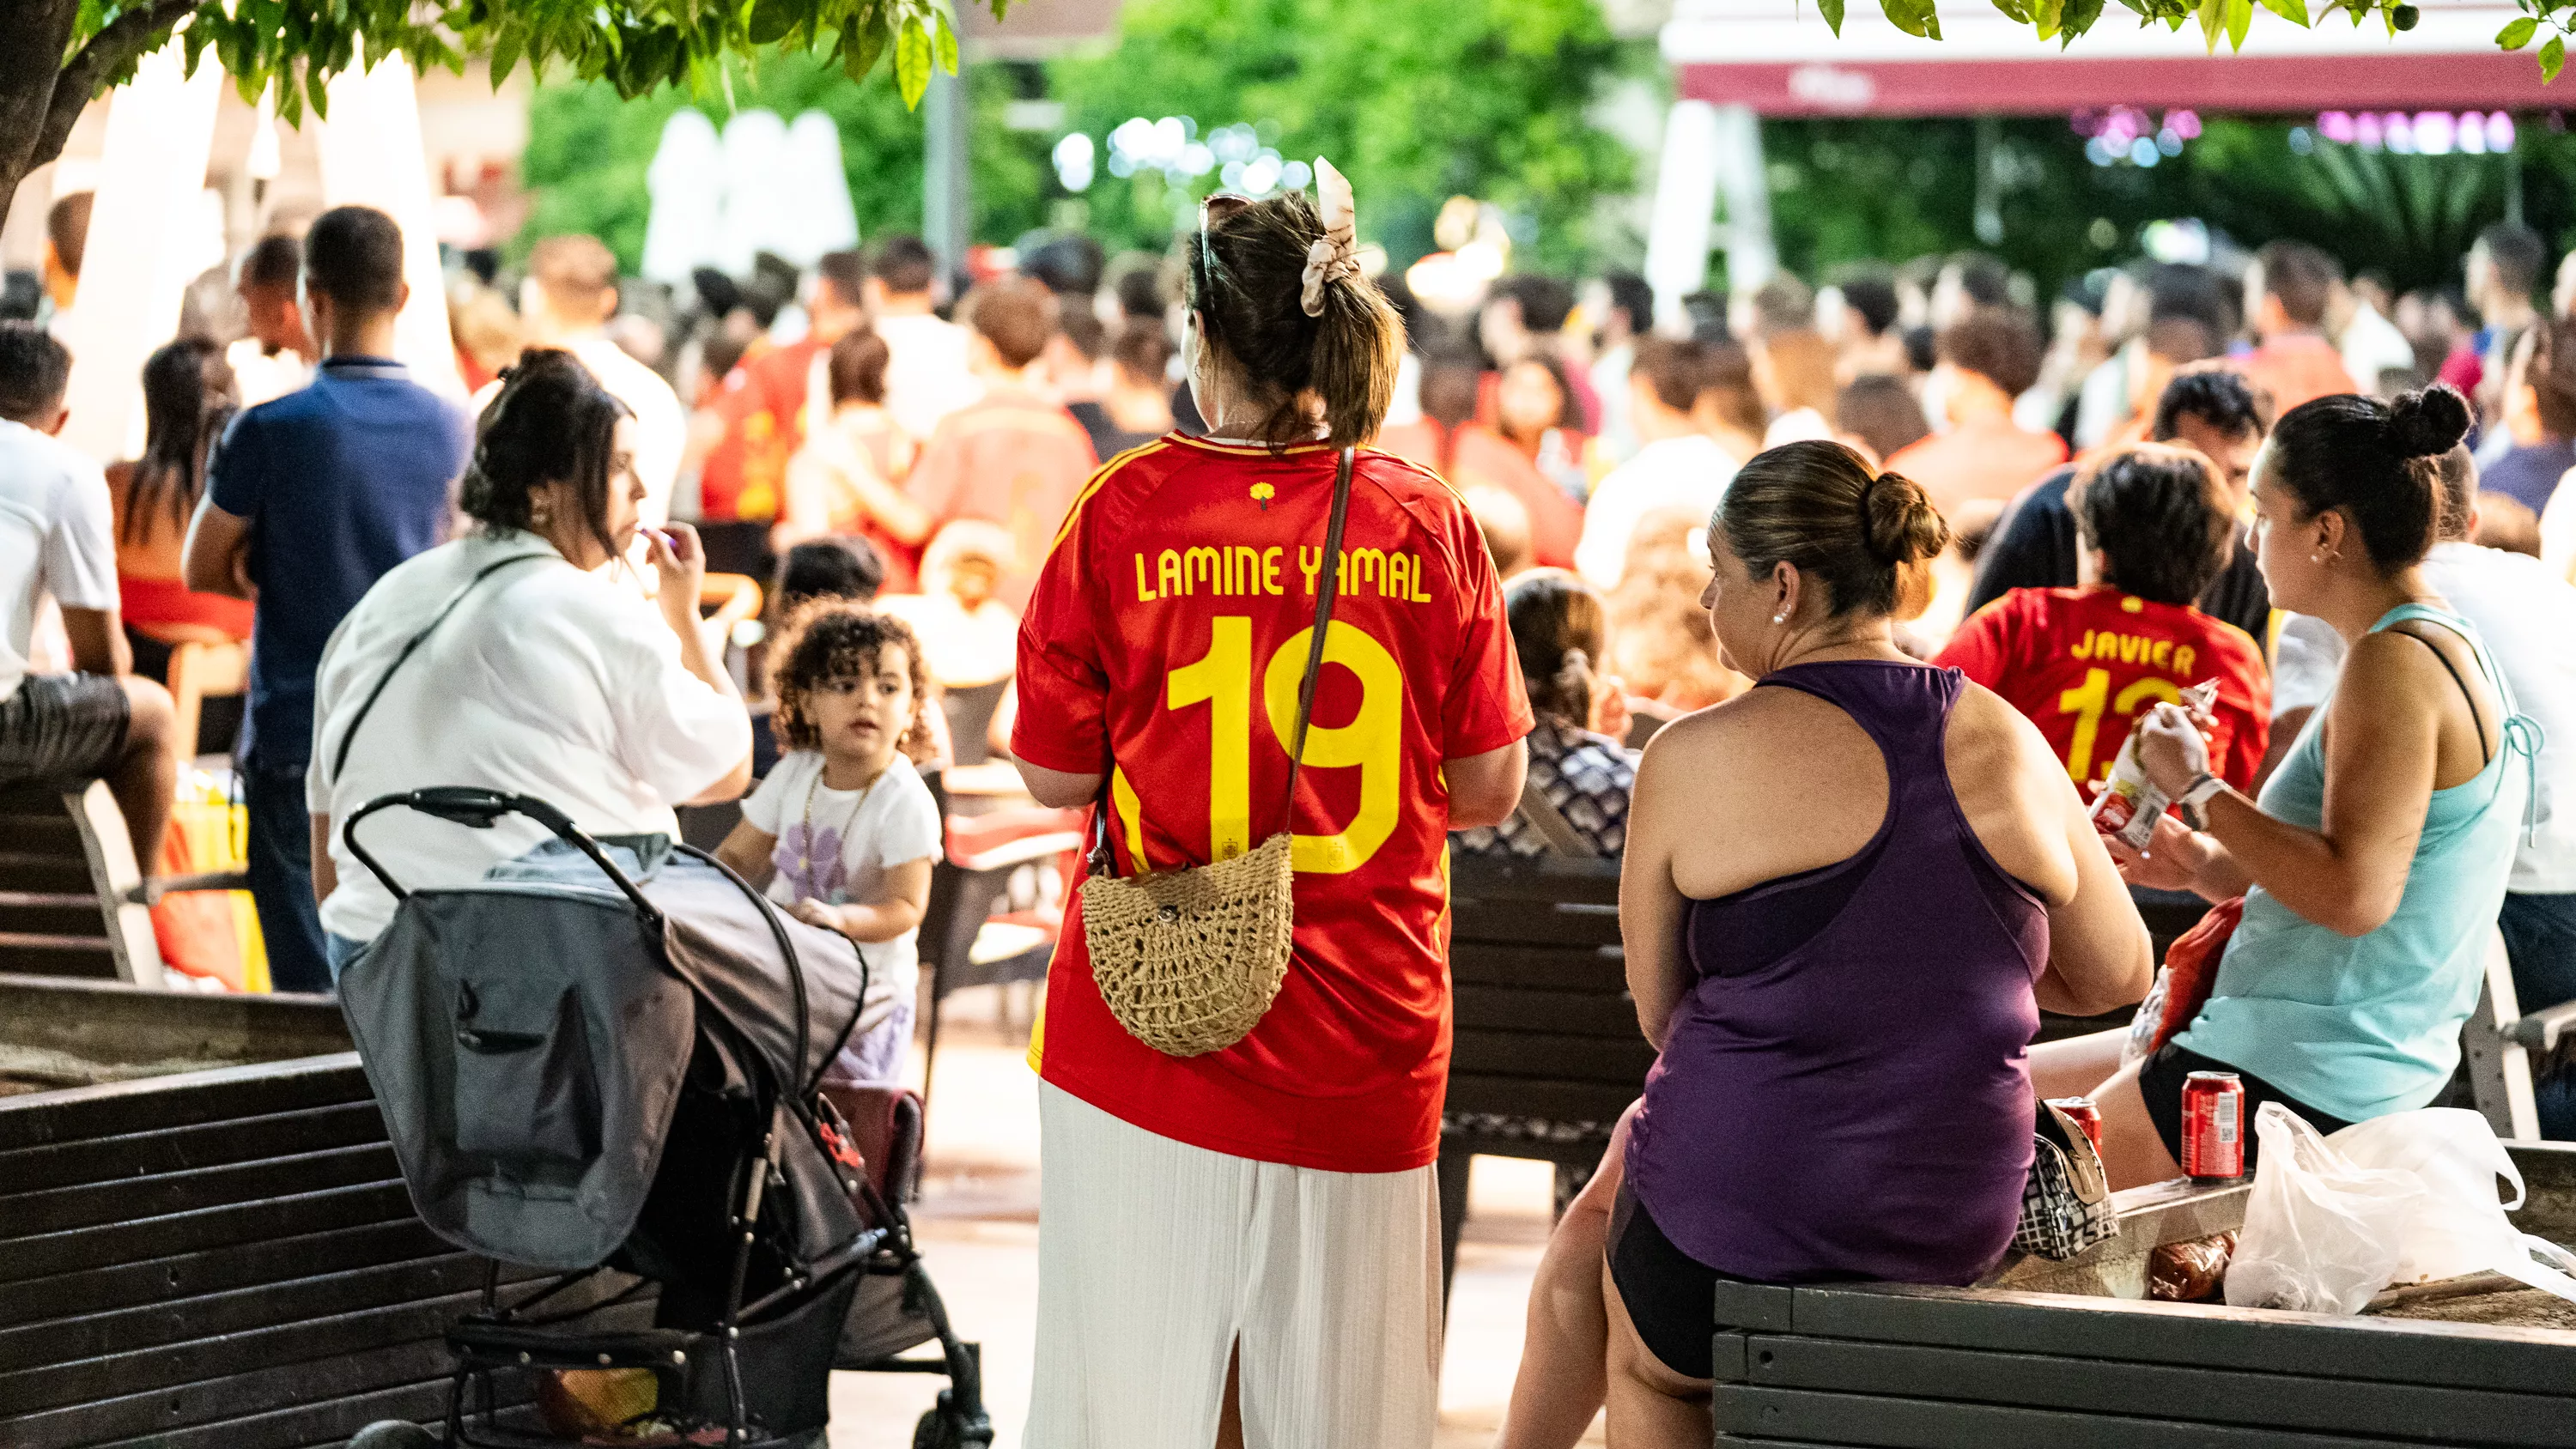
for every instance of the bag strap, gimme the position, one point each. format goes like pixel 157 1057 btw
pixel 349 736
pixel 1328 588
pixel 1328 583
pixel 1540 814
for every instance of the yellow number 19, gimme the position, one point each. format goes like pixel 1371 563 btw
pixel 1373 741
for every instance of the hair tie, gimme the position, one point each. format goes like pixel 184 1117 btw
pixel 1335 254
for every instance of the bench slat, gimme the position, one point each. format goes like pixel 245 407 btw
pixel 1521 922
pixel 1604 1060
pixel 114 1243
pixel 1805 1417
pixel 200 1360
pixel 2415 1412
pixel 237 1265
pixel 183 1149
pixel 105 1203
pixel 331 1423
pixel 182 1100
pixel 124 1330
pixel 1554 968
pixel 1523 1097
pixel 1557 1013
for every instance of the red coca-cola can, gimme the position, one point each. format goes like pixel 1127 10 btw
pixel 2213 1126
pixel 2086 1115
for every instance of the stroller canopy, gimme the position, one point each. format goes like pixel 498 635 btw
pixel 527 1036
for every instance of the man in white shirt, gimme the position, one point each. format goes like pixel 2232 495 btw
pixel 926 376
pixel 98 722
pixel 1675 465
pixel 2521 611
pixel 567 301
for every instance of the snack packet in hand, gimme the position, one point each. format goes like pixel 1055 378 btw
pixel 2127 808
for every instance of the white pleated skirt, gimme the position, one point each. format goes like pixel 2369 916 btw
pixel 1155 1258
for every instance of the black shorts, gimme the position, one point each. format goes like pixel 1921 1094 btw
pixel 1670 1296
pixel 2160 1083
pixel 62 727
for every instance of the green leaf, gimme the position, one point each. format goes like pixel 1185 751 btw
pixel 861 44
pixel 1914 17
pixel 2079 18
pixel 2014 9
pixel 2240 18
pixel 506 47
pixel 2517 33
pixel 2293 11
pixel 2552 56
pixel 945 44
pixel 2048 16
pixel 2213 22
pixel 771 20
pixel 1832 10
pixel 912 62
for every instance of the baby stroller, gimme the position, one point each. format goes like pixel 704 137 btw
pixel 604 1061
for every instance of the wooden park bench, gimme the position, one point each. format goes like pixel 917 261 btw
pixel 221 1258
pixel 1546 1052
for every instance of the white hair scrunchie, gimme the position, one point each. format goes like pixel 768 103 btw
pixel 1335 253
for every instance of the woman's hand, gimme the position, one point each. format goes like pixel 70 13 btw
pixel 2172 860
pixel 681 561
pixel 2171 749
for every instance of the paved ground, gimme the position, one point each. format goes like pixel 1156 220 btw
pixel 978 1225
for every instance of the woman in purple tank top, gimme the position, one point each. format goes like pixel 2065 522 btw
pixel 1846 895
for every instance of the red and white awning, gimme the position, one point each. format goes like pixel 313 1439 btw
pixel 1778 57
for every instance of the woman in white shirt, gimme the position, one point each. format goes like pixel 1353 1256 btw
pixel 500 660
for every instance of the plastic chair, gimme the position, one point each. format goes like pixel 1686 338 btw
pixel 197 670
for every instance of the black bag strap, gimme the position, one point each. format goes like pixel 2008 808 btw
pixel 349 736
pixel 1328 587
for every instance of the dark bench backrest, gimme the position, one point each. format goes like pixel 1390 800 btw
pixel 219 1260
pixel 1544 1025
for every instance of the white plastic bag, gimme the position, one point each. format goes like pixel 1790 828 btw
pixel 2321 1235
pixel 2459 1227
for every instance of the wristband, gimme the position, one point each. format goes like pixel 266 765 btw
pixel 2196 796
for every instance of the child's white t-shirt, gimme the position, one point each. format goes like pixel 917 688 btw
pixel 835 846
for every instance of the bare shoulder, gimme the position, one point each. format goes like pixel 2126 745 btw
pixel 1986 731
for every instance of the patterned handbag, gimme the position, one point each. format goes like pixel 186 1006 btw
pixel 1188 960
pixel 2066 1204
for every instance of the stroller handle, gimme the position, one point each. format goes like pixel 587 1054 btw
pixel 480 809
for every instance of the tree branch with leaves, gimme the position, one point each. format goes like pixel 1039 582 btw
pixel 56 56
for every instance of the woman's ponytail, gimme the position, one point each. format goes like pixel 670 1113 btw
pixel 1249 278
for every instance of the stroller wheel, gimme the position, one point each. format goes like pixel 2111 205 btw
pixel 945 1428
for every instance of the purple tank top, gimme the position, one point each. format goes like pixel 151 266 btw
pixel 1844 1092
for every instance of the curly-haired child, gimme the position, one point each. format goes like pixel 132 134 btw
pixel 843 830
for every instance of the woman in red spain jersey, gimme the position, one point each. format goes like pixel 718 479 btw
pixel 2087 662
pixel 1239 1247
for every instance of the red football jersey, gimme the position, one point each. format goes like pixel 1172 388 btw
pixel 1167 636
pixel 2084 663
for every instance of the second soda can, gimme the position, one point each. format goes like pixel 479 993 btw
pixel 2213 1126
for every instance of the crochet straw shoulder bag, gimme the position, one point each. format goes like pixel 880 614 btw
pixel 1188 960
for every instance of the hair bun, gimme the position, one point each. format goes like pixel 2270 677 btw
pixel 1899 525
pixel 2428 422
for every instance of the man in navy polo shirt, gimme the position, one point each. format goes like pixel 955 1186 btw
pixel 309 500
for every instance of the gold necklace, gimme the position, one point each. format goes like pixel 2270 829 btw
pixel 805 841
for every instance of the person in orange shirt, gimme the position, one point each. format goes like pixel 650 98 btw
pixel 2155 524
pixel 1987 359
pixel 2286 294
pixel 1474 457
pixel 1014 456
pixel 1240 1246
pixel 766 404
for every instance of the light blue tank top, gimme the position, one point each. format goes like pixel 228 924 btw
pixel 2362 1026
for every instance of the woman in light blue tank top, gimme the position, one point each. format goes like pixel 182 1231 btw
pixel 2375 863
